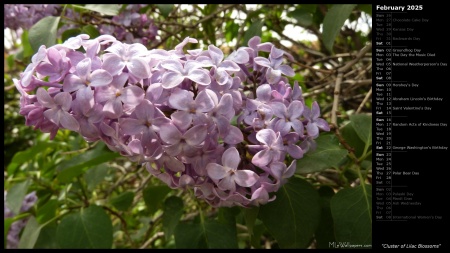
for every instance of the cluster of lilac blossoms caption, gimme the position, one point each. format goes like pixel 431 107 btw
pixel 226 127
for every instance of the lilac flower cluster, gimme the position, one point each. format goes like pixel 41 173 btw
pixel 173 111
pixel 15 228
pixel 26 15
pixel 130 26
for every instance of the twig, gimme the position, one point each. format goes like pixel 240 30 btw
pixel 152 239
pixel 364 101
pixel 337 87
pixel 124 223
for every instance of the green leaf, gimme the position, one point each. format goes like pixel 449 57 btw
pixel 16 194
pixel 173 209
pixel 165 9
pixel 352 214
pixel 27 49
pixel 30 234
pixel 69 33
pixel 363 126
pixel 47 211
pixel 43 32
pixel 325 231
pixel 250 215
pixel 95 175
pixel 74 167
pixel 303 17
pixel 294 216
pixel 210 234
pixel 255 29
pixel 90 228
pixel 367 8
pixel 154 195
pixel 7 224
pixel 327 154
pixel 333 22
pixel 351 137
pixel 22 157
pixel 123 201
pixel 47 237
pixel 105 9
pixel 91 31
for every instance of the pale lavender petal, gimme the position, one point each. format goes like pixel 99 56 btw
pixel 117 48
pixel 199 76
pixel 113 63
pixel 262 62
pixel 68 121
pixel 154 91
pixel 261 196
pixel 170 134
pixel 173 164
pixel 295 109
pixel 282 126
pixel 224 108
pixel 276 53
pixel 85 100
pixel 298 126
pixel 173 65
pixel 240 56
pixel 171 79
pixel 191 65
pixel 287 70
pixel 132 95
pixel 204 102
pixel 136 147
pixel 186 180
pixel 180 99
pixel 100 77
pixel 290 170
pixel 315 112
pixel 73 83
pixel 205 61
pixel 137 49
pixel 181 119
pixel 231 158
pixel 216 54
pixel 145 110
pixel 195 135
pixel 279 110
pixel 263 92
pixel 254 41
pixel 45 69
pixel 245 178
pixel 229 66
pixel 322 124
pixel 216 171
pixel 312 129
pixel 84 68
pixel 53 115
pixel 221 76
pixel 277 169
pixel 44 98
pixel 295 151
pixel 266 136
pixel 175 149
pixel 64 99
pixel 113 108
pixel 132 126
pixel 139 67
pixel 266 46
pixel 262 158
pixel 234 136
pixel 273 75
pixel 227 183
pixel 104 94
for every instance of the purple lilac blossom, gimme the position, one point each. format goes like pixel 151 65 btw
pixel 13 236
pixel 226 128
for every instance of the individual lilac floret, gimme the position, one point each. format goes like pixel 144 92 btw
pixel 272 145
pixel 314 122
pixel 177 73
pixel 228 172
